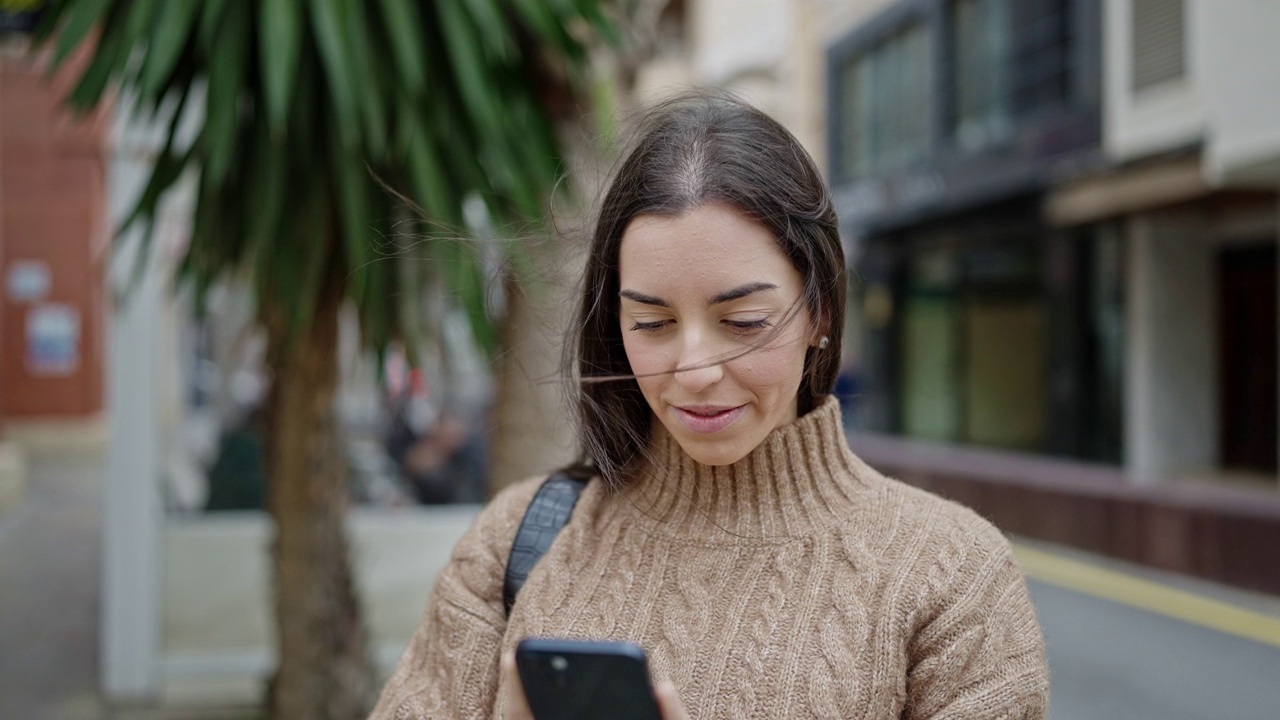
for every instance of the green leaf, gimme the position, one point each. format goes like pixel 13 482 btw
pixel 403 24
pixel 593 11
pixel 226 85
pixel 494 30
pixel 279 44
pixel 469 67
pixel 210 22
pixel 267 184
pixel 546 25
pixel 370 79
pixel 326 19
pixel 168 167
pixel 427 172
pixel 88 90
pixel 166 171
pixel 353 206
pixel 172 32
pixel 538 16
pixel 139 23
pixel 81 18
pixel 314 232
pixel 466 282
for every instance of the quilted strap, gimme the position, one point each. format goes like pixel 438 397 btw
pixel 547 513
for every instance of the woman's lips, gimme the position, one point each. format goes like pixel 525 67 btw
pixel 707 418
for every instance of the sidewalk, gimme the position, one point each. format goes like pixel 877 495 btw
pixel 49 591
pixel 50 580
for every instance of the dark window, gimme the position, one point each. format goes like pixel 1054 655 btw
pixel 983 44
pixel 1012 58
pixel 1085 275
pixel 972 337
pixel 886 104
pixel 1247 357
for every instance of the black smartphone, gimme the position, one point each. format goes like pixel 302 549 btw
pixel 585 680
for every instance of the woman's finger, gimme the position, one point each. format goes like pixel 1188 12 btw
pixel 517 705
pixel 669 702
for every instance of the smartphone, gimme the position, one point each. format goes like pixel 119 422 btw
pixel 585 680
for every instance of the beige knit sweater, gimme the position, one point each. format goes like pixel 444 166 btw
pixel 795 583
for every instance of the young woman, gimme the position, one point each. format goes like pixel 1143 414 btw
pixel 729 530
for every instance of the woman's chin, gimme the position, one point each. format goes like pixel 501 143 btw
pixel 706 451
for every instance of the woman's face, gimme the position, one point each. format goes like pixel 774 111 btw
pixel 699 288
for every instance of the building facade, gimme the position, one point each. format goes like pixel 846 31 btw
pixel 1192 145
pixel 1062 215
pixel 52 247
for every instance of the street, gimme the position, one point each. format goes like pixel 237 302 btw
pixel 1109 660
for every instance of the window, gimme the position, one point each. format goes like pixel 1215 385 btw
pixel 973 336
pixel 982 65
pixel 887 100
pixel 1159 42
pixel 1011 60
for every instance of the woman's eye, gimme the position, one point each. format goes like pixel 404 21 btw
pixel 653 326
pixel 747 326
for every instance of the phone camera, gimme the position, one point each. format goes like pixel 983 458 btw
pixel 559 663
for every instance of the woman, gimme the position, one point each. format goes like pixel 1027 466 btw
pixel 730 531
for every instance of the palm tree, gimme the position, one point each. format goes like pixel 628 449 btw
pixel 308 111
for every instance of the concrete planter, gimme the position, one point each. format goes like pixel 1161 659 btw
pixel 217 633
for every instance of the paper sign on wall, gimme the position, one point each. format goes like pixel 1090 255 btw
pixel 27 280
pixel 53 339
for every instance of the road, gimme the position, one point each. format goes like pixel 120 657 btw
pixel 1110 659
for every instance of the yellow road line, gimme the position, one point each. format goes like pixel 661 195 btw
pixel 1148 595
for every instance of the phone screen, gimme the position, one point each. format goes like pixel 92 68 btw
pixel 585 680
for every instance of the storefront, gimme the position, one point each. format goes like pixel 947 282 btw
pixel 981 324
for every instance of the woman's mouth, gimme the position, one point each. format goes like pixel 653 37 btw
pixel 707 418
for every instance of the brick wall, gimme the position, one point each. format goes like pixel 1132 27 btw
pixel 52 223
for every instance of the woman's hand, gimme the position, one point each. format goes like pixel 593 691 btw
pixel 518 707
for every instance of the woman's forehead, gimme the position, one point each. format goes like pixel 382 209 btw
pixel 709 244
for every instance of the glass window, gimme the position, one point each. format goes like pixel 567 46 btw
pixel 886 104
pixel 982 55
pixel 1011 58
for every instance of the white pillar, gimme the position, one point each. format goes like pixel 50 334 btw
pixel 132 507
pixel 1171 389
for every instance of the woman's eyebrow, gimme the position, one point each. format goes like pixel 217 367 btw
pixel 726 296
pixel 643 299
pixel 741 292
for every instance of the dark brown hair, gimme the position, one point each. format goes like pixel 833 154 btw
pixel 693 150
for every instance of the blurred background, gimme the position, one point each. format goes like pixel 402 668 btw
pixel 1061 220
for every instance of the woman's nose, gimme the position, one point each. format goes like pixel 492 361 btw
pixel 699 367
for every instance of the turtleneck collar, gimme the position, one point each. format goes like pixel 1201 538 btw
pixel 800 480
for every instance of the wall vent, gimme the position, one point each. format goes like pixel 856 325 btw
pixel 1159 42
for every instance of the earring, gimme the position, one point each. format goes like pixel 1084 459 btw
pixel 823 342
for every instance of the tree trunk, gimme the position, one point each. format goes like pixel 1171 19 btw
pixel 324 669
pixel 532 428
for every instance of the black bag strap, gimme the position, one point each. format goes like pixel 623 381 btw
pixel 547 513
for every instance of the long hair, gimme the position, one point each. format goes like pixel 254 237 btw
pixel 694 150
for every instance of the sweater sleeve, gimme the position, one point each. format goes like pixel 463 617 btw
pixel 980 653
pixel 450 668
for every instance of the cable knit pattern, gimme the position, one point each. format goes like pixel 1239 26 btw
pixel 797 582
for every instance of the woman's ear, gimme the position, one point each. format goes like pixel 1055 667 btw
pixel 819 339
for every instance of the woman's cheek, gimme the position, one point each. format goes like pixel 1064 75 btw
pixel 644 358
pixel 780 363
